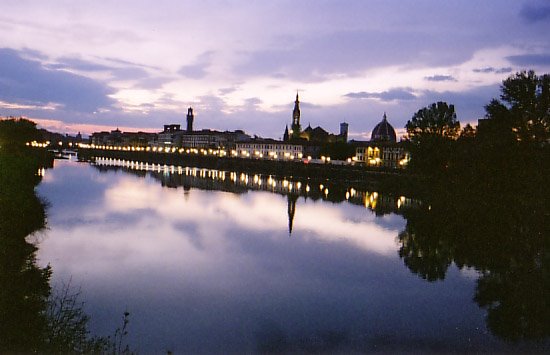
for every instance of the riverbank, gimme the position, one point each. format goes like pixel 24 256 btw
pixel 359 176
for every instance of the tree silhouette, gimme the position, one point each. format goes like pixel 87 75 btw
pixel 431 133
pixel 523 111
pixel 32 318
pixel 14 133
pixel 438 119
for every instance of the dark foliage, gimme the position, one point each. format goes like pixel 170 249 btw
pixel 523 111
pixel 488 210
pixel 33 318
pixel 430 134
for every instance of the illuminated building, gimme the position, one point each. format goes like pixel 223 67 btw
pixel 261 148
pixel 382 150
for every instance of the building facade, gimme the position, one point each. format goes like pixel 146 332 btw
pixel 382 150
pixel 260 148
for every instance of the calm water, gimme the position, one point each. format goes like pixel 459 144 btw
pixel 205 264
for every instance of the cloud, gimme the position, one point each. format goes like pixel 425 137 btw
pixel 78 64
pixel 315 57
pixel 396 94
pixel 125 71
pixel 527 60
pixel 535 13
pixel 493 70
pixel 503 70
pixel 440 78
pixel 28 82
pixel 198 70
pixel 152 82
pixel 253 101
pixel 228 90
pixel 469 104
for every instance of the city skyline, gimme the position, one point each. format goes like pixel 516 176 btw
pixel 90 67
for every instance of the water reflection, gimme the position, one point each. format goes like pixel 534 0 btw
pixel 504 237
pixel 206 265
pixel 241 182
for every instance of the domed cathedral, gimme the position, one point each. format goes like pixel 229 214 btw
pixel 383 132
pixel 382 149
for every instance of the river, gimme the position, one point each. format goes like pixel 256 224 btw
pixel 206 264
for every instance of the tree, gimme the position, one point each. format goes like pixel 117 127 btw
pixel 468 132
pixel 523 111
pixel 431 133
pixel 438 119
pixel 14 133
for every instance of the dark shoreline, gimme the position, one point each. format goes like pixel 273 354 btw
pixel 358 176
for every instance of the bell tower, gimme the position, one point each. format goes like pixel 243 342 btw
pixel 190 118
pixel 296 128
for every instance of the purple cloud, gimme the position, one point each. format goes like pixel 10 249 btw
pixel 440 78
pixel 535 12
pixel 397 94
pixel 527 60
pixel 198 69
pixel 27 81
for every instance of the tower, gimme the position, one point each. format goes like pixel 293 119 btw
pixel 285 135
pixel 344 131
pixel 296 128
pixel 190 118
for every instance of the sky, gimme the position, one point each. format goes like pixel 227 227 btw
pixel 96 65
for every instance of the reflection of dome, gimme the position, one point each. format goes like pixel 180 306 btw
pixel 383 131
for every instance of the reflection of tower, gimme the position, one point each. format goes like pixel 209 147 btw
pixel 296 128
pixel 291 210
pixel 190 118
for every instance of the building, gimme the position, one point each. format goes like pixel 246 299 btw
pixel 190 119
pixel 169 137
pixel 207 138
pixel 261 148
pixel 313 139
pixel 117 138
pixel 174 137
pixel 382 150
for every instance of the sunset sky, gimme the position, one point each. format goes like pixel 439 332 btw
pixel 91 65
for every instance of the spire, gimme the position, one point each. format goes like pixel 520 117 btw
pixel 285 135
pixel 296 128
pixel 384 116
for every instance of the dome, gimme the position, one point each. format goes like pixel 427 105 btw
pixel 383 132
